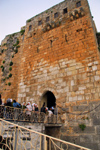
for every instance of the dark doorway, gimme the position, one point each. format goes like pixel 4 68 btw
pixel 49 99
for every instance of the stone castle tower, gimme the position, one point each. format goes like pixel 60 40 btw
pixel 53 59
pixel 56 59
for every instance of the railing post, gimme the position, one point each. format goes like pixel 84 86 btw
pixel 45 143
pixel 40 141
pixel 1 127
pixel 16 137
pixel 49 144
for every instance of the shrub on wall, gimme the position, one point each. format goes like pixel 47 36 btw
pixel 82 126
pixel 29 20
pixel 9 83
pixel 2 66
pixel 4 44
pixel 3 61
pixel 11 63
pixel 2 69
pixel 16 51
pixel 22 32
pixel 17 46
pixel 10 68
pixel 10 75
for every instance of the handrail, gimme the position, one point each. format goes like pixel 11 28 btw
pixel 45 136
pixel 18 114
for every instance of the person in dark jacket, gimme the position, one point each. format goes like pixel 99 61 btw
pixel 16 104
pixel 43 108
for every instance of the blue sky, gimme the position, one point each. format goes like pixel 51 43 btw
pixel 14 13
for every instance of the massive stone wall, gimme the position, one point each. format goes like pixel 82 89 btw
pixel 58 52
pixel 63 58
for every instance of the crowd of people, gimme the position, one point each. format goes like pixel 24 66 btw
pixel 34 107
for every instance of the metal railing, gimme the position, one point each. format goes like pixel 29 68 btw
pixel 15 137
pixel 18 114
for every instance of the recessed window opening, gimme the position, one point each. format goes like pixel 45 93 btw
pixel 65 11
pixel 34 33
pixel 66 38
pixel 39 22
pixel 30 27
pixel 47 19
pixel 37 50
pixel 51 42
pixel 78 4
pixel 78 30
pixel 56 15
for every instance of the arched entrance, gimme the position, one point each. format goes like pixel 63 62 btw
pixel 49 99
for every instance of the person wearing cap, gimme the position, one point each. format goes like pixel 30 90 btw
pixel 36 107
pixel 28 108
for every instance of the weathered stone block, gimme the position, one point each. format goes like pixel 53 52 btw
pixel 86 138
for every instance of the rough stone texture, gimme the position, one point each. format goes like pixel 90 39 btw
pixel 60 56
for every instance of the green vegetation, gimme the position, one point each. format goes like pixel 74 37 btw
pixel 2 66
pixel 29 20
pixel 10 68
pixel 10 75
pixel 11 63
pixel 22 32
pixel 59 22
pixel 12 56
pixel 3 61
pixel 2 69
pixel 9 83
pixel 18 46
pixel 82 126
pixel 4 44
pixel 16 43
pixel 16 51
pixel 4 79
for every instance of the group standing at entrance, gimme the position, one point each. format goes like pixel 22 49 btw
pixel 34 107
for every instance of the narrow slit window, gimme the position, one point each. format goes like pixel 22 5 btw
pixel 39 22
pixel 51 42
pixel 78 4
pixel 56 15
pixel 30 27
pixel 37 50
pixel 47 19
pixel 65 11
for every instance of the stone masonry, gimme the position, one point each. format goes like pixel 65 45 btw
pixel 58 52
